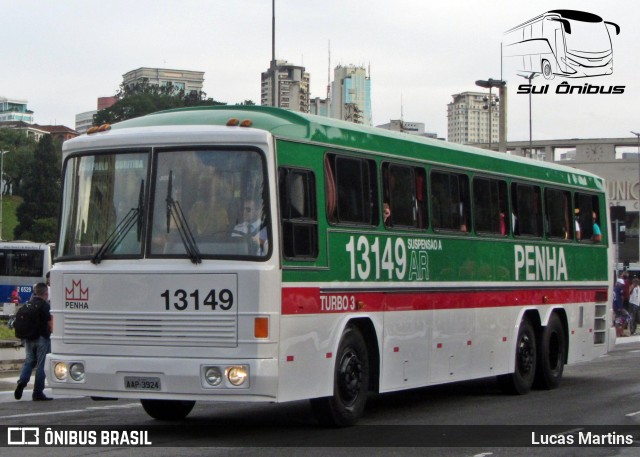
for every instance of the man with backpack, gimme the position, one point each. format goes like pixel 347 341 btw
pixel 35 330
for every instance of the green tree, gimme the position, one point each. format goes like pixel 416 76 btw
pixel 138 99
pixel 41 190
pixel 21 150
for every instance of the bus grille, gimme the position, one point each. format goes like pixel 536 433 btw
pixel 145 329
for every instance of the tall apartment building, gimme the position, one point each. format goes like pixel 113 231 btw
pixel 292 92
pixel 351 95
pixel 468 118
pixel 12 109
pixel 186 80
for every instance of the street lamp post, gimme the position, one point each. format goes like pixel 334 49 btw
pixel 638 137
pixel 530 77
pixel 490 84
pixel 2 153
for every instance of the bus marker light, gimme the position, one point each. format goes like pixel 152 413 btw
pixel 76 371
pixel 237 375
pixel 104 128
pixel 233 122
pixel 396 349
pixel 213 376
pixel 60 370
pixel 246 123
pixel 289 358
pixel 439 346
pixel 261 327
pixel 328 355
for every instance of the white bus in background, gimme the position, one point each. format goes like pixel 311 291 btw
pixel 568 43
pixel 22 264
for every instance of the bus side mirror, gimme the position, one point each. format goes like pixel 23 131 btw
pixel 565 24
pixel 613 24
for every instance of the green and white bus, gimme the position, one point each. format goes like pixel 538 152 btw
pixel 247 254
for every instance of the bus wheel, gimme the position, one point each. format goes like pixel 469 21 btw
pixel 547 71
pixel 550 363
pixel 350 383
pixel 167 410
pixel 520 381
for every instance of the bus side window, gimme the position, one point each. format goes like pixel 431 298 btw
pixel 450 201
pixel 558 219
pixel 586 206
pixel 299 216
pixel 490 210
pixel 356 190
pixel 404 192
pixel 526 210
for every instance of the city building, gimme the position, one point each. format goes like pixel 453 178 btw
pixel 186 80
pixel 320 106
pixel 351 95
pixel 413 128
pixel 12 110
pixel 84 121
pixel 35 131
pixel 292 92
pixel 468 118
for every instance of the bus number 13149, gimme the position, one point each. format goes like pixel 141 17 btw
pixel 222 299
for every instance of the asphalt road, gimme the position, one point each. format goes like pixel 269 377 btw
pixel 462 419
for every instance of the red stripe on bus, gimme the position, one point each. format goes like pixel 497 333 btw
pixel 310 300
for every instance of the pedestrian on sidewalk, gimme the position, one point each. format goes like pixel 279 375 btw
pixel 37 349
pixel 634 305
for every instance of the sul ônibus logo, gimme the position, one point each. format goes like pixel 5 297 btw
pixel 76 297
pixel 563 43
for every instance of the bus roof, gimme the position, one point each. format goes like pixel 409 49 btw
pixel 284 124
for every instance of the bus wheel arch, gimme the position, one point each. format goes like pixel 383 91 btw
pixel 521 380
pixel 351 381
pixel 166 410
pixel 552 351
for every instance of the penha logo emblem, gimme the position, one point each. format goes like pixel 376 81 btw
pixel 76 297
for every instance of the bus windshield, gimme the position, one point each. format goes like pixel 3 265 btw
pixel 588 37
pixel 205 203
pixel 103 201
pixel 210 202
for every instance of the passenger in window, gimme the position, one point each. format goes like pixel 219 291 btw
pixel 252 227
pixel 577 223
pixel 386 214
pixel 503 223
pixel 597 234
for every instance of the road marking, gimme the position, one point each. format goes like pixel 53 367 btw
pixel 72 411
pixel 484 454
pixel 632 414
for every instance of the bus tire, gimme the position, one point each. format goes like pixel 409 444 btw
pixel 167 410
pixel 521 380
pixel 547 70
pixel 350 383
pixel 550 363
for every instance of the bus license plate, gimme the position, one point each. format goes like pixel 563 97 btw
pixel 141 383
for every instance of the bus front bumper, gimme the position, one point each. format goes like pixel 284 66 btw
pixel 163 378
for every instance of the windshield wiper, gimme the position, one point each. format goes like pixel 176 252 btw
pixel 174 211
pixel 122 228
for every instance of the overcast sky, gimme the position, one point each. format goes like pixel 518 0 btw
pixel 62 55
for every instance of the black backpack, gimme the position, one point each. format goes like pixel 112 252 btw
pixel 26 322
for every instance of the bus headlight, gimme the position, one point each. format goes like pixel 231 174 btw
pixel 237 375
pixel 76 371
pixel 213 376
pixel 60 371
